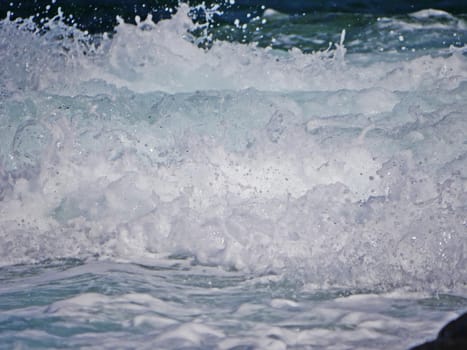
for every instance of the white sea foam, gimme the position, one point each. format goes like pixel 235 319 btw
pixel 313 165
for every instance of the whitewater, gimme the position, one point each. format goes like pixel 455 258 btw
pixel 162 188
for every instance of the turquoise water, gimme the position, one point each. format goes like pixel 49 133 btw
pixel 174 304
pixel 287 181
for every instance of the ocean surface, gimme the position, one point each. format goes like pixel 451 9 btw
pixel 232 175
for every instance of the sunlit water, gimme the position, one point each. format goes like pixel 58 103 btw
pixel 177 186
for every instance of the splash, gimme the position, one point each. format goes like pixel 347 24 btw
pixel 327 167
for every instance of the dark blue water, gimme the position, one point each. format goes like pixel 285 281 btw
pixel 99 16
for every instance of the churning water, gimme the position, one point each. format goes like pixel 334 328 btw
pixel 278 182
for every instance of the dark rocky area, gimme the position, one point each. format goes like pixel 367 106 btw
pixel 453 336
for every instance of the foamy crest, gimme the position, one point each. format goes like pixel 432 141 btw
pixel 316 165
